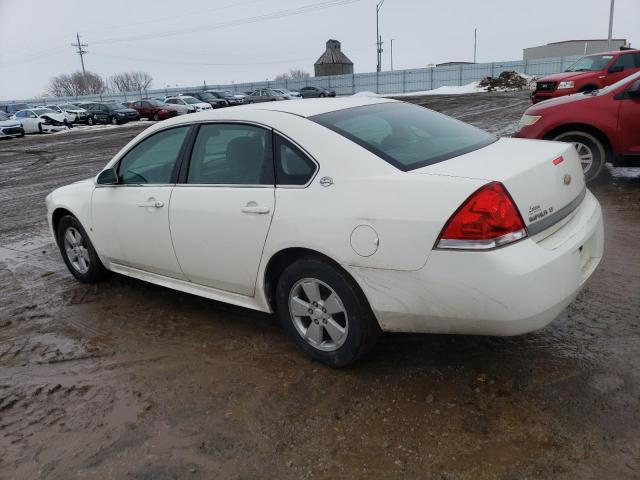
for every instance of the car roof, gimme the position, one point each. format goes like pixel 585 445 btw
pixel 316 106
pixel 614 52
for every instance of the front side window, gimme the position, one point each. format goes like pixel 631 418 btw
pixel 293 167
pixel 626 61
pixel 231 154
pixel 21 115
pixel 153 159
pixel 406 136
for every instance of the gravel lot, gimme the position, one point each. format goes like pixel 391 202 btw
pixel 129 380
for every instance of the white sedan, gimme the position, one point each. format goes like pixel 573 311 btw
pixel 346 216
pixel 41 120
pixel 192 103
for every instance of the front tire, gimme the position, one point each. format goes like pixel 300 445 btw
pixel 156 117
pixel 592 152
pixel 90 121
pixel 40 128
pixel 325 312
pixel 114 121
pixel 78 252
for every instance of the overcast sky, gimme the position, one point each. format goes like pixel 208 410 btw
pixel 174 40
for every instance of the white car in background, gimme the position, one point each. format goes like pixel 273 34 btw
pixel 288 93
pixel 345 216
pixel 189 102
pixel 68 116
pixel 9 127
pixel 41 120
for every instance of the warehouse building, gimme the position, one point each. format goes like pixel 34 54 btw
pixel 572 47
pixel 333 61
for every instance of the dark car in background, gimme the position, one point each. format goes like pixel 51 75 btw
pixel 114 113
pixel 316 92
pixel 265 95
pixel 153 109
pixel 228 96
pixel 209 98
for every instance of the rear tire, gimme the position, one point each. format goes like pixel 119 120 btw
pixel 114 121
pixel 90 121
pixel 40 128
pixel 322 95
pixel 592 152
pixel 78 252
pixel 325 312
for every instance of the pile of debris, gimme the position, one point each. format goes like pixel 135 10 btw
pixel 508 81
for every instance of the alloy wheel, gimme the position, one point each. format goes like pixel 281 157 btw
pixel 318 314
pixel 76 251
pixel 585 154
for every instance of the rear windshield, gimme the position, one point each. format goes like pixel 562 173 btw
pixel 405 135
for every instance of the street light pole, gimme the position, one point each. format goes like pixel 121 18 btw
pixel 475 43
pixel 378 39
pixel 610 27
pixel 392 53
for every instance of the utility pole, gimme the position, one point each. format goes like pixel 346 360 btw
pixel 475 44
pixel 378 37
pixel 81 51
pixel 392 53
pixel 610 27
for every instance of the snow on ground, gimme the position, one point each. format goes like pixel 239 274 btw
pixel 447 90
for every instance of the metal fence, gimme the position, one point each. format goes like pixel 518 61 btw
pixel 397 81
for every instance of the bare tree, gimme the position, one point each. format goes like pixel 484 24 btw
pixel 130 81
pixel 77 84
pixel 293 74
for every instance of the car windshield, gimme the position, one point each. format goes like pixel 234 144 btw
pixel 207 96
pixel 590 63
pixel 190 100
pixel 155 103
pixel 42 111
pixel 3 117
pixel 406 136
pixel 70 106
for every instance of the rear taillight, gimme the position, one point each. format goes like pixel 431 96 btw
pixel 487 219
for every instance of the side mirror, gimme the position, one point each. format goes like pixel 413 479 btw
pixel 108 177
pixel 634 91
pixel 616 68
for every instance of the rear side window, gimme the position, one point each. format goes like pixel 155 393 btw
pixel 406 136
pixel 153 159
pixel 231 154
pixel 293 167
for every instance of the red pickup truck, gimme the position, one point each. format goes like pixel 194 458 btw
pixel 591 72
pixel 603 125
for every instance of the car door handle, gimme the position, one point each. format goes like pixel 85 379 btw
pixel 152 204
pixel 252 207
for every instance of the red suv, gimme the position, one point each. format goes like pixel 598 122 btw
pixel 153 109
pixel 589 73
pixel 603 125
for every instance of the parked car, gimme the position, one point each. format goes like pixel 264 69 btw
pixel 603 125
pixel 396 218
pixel 228 96
pixel 104 112
pixel 194 104
pixel 78 114
pixel 153 109
pixel 180 107
pixel 265 95
pixel 209 98
pixel 9 127
pixel 591 72
pixel 316 92
pixel 41 120
pixel 288 93
pixel 68 117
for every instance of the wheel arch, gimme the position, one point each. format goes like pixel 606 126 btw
pixel 285 257
pixel 583 127
pixel 56 216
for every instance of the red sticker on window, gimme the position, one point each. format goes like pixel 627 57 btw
pixel 558 160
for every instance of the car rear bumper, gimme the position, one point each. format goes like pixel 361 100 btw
pixel 507 291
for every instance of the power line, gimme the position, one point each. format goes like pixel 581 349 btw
pixel 231 23
pixel 81 51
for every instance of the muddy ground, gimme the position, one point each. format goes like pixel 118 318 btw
pixel 129 380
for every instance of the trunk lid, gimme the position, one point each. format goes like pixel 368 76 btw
pixel 544 188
